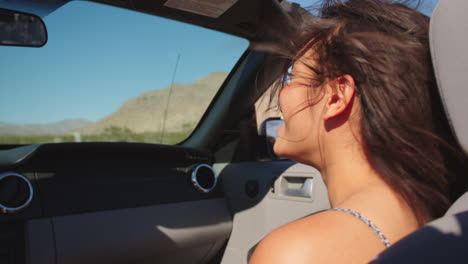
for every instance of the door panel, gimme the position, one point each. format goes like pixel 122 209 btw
pixel 286 191
pixel 190 232
pixel 39 241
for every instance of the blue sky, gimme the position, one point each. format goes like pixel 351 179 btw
pixel 94 63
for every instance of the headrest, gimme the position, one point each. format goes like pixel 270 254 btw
pixel 449 49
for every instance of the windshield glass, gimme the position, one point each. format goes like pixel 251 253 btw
pixel 110 74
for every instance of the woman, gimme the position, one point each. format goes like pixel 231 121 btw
pixel 360 105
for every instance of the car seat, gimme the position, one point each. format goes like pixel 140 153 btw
pixel 444 240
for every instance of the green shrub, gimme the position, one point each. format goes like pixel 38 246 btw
pixel 110 134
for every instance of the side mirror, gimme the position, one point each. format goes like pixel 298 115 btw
pixel 21 29
pixel 269 129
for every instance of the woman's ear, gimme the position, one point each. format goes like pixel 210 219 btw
pixel 341 94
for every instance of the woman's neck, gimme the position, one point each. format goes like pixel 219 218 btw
pixel 347 174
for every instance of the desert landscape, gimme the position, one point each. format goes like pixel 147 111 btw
pixel 160 116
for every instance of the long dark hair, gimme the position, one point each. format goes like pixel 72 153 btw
pixel 384 46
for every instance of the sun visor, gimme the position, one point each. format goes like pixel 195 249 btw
pixel 449 49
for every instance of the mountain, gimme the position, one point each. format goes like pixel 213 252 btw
pixel 61 127
pixel 146 112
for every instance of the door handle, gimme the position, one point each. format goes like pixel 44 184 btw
pixel 295 186
pixel 305 190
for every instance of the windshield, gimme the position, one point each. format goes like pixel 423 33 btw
pixel 110 74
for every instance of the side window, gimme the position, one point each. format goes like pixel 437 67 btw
pixel 266 107
pixel 109 74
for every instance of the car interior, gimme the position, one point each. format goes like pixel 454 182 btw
pixel 213 196
pixel 209 199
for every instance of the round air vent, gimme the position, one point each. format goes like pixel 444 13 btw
pixel 204 178
pixel 16 192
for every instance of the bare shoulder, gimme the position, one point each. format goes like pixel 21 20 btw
pixel 327 237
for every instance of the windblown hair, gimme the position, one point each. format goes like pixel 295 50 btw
pixel 384 46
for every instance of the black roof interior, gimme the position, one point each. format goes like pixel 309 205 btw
pixel 244 19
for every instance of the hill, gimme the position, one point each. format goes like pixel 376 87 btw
pixel 145 113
